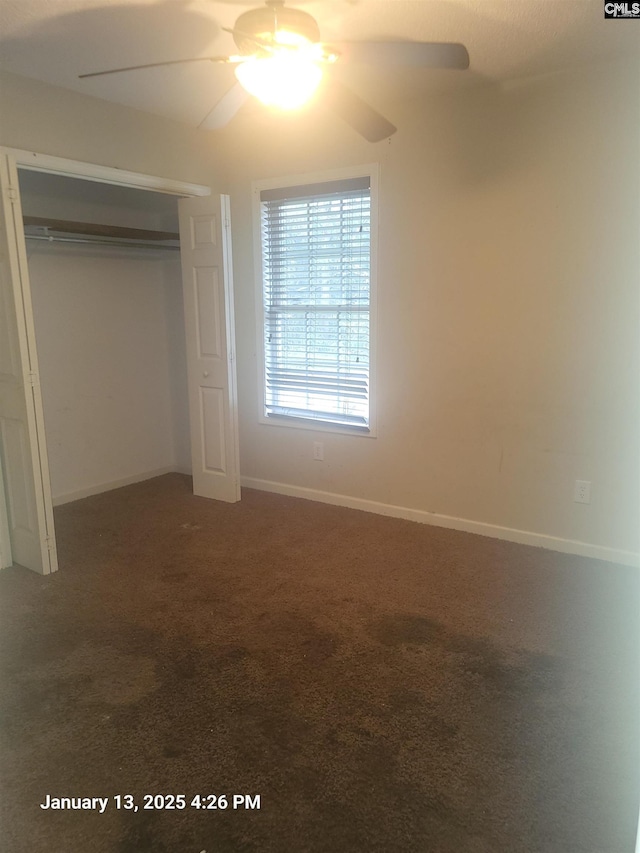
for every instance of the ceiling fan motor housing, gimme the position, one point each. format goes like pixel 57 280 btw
pixel 264 22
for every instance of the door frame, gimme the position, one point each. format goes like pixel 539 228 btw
pixel 36 162
pixel 51 164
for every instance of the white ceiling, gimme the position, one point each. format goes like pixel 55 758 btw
pixel 56 40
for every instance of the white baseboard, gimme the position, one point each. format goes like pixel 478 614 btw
pixel 66 498
pixel 522 537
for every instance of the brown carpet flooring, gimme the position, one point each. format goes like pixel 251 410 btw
pixel 383 686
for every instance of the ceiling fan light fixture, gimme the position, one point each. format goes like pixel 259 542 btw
pixel 280 61
pixel 286 79
pixel 286 38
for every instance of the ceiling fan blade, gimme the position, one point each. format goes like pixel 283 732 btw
pixel 159 64
pixel 408 54
pixel 254 39
pixel 226 108
pixel 356 112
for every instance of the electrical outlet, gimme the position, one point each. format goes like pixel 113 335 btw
pixel 318 451
pixel 582 492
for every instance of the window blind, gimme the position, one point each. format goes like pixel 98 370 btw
pixel 316 244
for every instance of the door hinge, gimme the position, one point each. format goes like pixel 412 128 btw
pixel 227 222
pixel 32 378
pixel 51 545
pixel 12 194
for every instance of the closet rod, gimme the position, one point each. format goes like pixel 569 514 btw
pixel 51 239
pixel 95 229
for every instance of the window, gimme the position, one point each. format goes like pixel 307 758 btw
pixel 316 289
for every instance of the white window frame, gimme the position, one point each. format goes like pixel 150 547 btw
pixel 370 170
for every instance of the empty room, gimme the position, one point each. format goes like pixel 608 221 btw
pixel 319 426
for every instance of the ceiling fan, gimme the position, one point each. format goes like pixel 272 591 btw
pixel 282 61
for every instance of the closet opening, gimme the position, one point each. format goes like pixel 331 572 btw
pixel 106 290
pixel 117 343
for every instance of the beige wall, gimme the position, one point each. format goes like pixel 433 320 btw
pixel 49 120
pixel 508 304
pixel 104 329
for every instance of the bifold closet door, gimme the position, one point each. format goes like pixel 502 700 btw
pixel 205 246
pixel 25 467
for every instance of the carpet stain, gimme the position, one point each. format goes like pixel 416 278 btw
pixel 504 669
pixel 172 751
pixel 231 655
pixel 305 638
pixel 174 577
pixel 99 674
pixel 396 629
pixel 139 835
pixel 184 666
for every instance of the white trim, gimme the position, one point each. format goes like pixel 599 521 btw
pixel 368 170
pixel 35 162
pixel 6 558
pixel 77 495
pixel 317 426
pixel 18 278
pixel 364 170
pixel 508 534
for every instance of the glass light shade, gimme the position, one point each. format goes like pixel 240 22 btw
pixel 285 80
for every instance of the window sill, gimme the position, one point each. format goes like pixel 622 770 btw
pixel 317 426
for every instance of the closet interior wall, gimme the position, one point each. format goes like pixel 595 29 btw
pixel 110 337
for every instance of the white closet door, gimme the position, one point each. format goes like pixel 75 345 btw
pixel 22 440
pixel 205 245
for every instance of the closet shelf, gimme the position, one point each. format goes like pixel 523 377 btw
pixel 37 227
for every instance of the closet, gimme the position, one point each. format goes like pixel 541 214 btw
pixel 106 286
